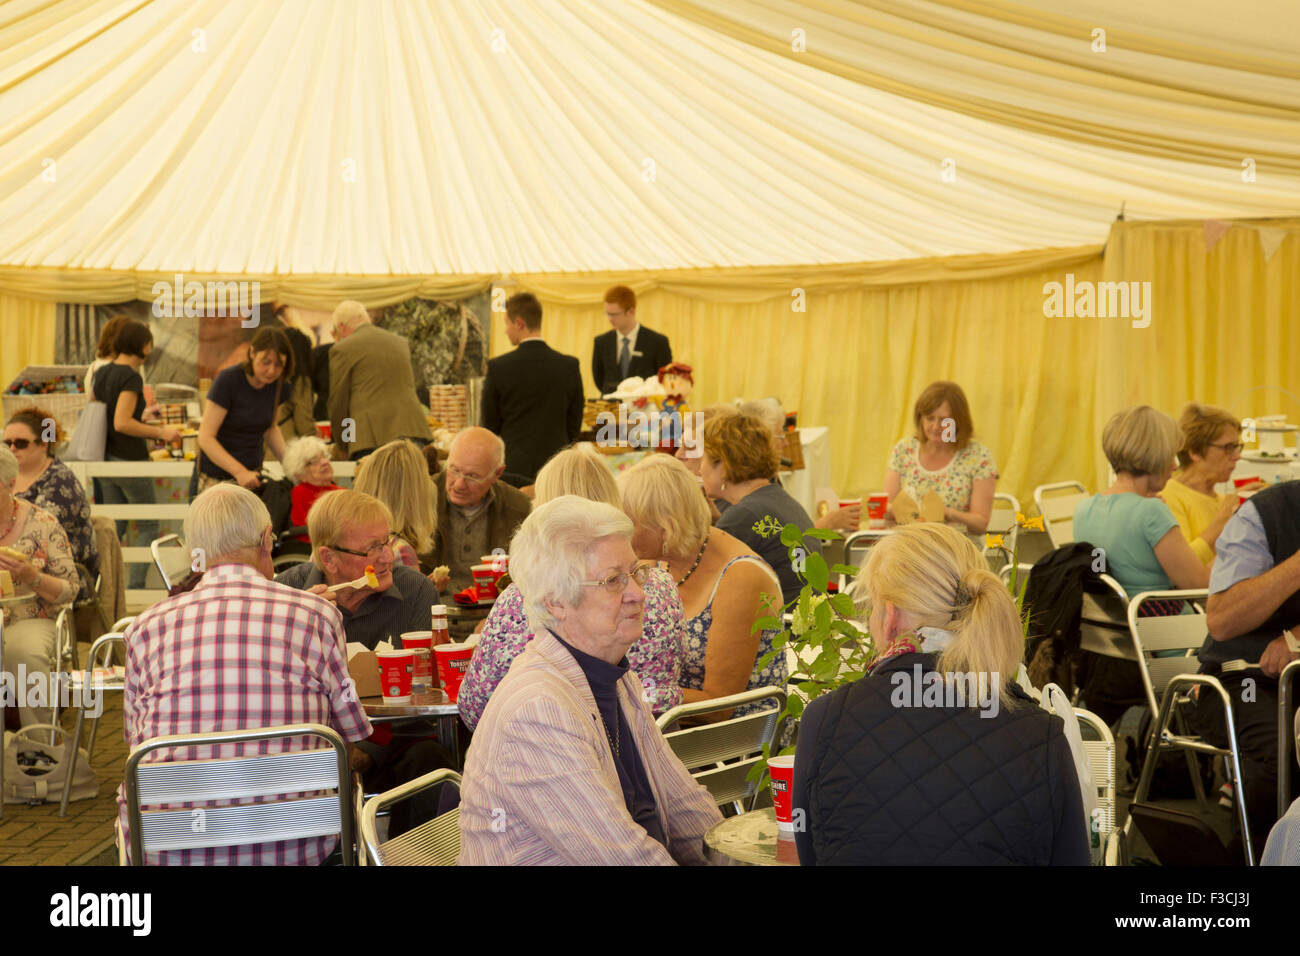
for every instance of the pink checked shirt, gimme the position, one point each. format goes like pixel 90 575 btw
pixel 238 652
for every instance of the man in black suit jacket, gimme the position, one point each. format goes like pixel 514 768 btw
pixel 647 351
pixel 532 397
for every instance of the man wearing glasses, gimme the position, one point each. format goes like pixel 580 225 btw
pixel 351 531
pixel 477 512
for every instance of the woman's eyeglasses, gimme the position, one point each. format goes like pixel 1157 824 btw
pixel 615 583
pixel 1230 448
pixel 18 443
pixel 371 554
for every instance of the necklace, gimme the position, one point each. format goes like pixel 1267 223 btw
pixel 698 558
pixel 13 520
pixel 614 738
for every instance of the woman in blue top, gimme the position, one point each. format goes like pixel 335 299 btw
pixel 240 414
pixel 1144 548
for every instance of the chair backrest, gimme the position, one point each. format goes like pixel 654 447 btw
pixel 101 649
pixel 435 842
pixel 1099 745
pixel 1056 503
pixel 1005 509
pixel 739 739
pixel 209 781
pixel 1174 632
pixel 171 559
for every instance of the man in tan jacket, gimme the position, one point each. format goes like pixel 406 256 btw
pixel 371 384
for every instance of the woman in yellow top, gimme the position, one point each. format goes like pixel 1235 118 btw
pixel 1210 450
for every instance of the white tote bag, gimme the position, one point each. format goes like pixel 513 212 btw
pixel 90 436
pixel 1056 701
pixel 35 769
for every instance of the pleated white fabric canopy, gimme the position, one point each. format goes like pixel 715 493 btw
pixel 392 137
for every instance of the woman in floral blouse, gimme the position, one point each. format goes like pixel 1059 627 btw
pixel 943 458
pixel 720 579
pixel 45 572
pixel 48 483
pixel 656 658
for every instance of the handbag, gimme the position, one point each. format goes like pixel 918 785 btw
pixel 36 770
pixel 1056 701
pixel 91 434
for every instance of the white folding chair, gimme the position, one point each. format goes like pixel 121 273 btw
pixel 1002 521
pixel 720 754
pixel 65 655
pixel 1167 680
pixel 435 842
pixel 208 781
pixel 171 559
pixel 1056 503
pixel 101 656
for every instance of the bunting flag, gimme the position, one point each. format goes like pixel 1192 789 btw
pixel 1214 231
pixel 1269 239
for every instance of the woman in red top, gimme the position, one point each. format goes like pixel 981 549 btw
pixel 307 464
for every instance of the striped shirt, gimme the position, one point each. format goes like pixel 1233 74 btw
pixel 238 652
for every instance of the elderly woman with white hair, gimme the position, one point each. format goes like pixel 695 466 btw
pixel 936 756
pixel 656 657
pixel 567 764
pixel 307 464
pixel 36 556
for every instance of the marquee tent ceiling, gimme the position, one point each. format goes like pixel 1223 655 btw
pixel 464 137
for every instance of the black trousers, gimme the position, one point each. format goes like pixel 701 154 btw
pixel 412 759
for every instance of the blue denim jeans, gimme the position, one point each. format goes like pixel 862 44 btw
pixel 132 491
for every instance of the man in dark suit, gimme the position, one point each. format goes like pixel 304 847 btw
pixel 629 348
pixel 532 397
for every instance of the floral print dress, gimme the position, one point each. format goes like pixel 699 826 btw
pixel 697 642
pixel 656 659
pixel 953 483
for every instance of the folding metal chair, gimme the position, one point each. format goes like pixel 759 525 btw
pixel 1165 680
pixel 171 558
pixel 1056 503
pixel 435 842
pixel 209 781
pixel 1287 744
pixel 65 654
pixel 705 749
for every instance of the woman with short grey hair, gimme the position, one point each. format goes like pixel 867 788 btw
pixel 568 765
pixel 1144 548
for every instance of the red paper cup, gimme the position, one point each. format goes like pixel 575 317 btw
pixel 781 770
pixel 877 506
pixel 324 431
pixel 485 580
pixel 414 639
pixel 453 661
pixel 1248 480
pixel 500 563
pixel 395 668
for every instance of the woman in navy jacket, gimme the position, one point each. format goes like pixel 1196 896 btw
pixel 936 756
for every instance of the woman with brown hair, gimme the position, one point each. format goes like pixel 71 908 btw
pixel 739 466
pixel 240 413
pixel 944 458
pixel 1210 449
pixel 48 483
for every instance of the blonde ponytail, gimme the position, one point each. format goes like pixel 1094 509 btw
pixel 986 631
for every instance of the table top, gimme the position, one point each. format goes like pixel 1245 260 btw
pixel 751 839
pixel 460 612
pixel 439 705
pixel 18 597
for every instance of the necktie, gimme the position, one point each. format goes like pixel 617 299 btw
pixel 625 356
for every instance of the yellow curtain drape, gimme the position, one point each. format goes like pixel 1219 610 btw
pixel 1224 325
pixel 26 335
pixel 320 292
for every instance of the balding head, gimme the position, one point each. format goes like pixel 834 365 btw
pixel 476 460
pixel 348 316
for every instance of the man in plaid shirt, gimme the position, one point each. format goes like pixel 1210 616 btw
pixel 239 652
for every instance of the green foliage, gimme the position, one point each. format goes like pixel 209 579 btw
pixel 833 649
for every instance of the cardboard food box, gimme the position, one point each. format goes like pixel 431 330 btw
pixel 363 666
